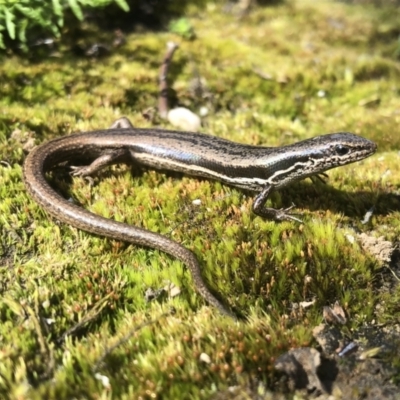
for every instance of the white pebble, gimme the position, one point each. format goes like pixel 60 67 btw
pixel 185 119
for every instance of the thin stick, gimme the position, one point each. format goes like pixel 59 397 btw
pixel 163 94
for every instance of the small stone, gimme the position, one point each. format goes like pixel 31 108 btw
pixel 301 367
pixel 185 119
pixel 205 358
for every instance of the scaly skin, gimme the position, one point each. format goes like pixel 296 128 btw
pixel 255 168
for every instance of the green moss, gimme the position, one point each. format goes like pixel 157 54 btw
pixel 331 67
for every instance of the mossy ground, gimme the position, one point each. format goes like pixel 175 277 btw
pixel 330 67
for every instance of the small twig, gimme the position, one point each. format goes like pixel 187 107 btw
pixel 163 86
pixel 90 316
pixel 262 74
pixel 125 338
pixel 5 163
pixel 393 273
pixel 46 350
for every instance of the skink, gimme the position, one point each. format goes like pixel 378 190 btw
pixel 254 168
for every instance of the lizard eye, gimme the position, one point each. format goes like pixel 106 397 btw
pixel 341 150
